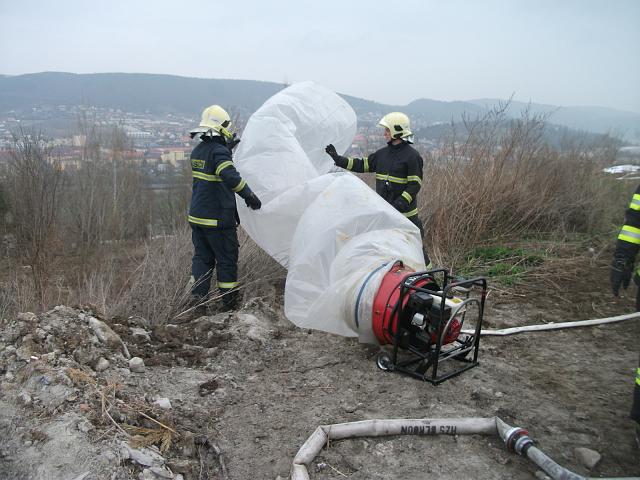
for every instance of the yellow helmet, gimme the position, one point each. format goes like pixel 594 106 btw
pixel 215 119
pixel 397 123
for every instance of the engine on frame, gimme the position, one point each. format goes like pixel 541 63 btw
pixel 421 314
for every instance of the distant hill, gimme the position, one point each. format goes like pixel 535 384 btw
pixel 593 119
pixel 136 92
pixel 133 92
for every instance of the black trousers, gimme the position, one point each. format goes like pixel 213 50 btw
pixel 214 248
pixel 418 223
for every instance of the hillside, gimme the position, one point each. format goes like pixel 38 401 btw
pixel 151 93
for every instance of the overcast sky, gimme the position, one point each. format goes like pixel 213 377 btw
pixel 562 52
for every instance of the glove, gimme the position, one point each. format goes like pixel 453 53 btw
pixel 331 151
pixel 400 204
pixel 253 202
pixel 621 271
pixel 233 142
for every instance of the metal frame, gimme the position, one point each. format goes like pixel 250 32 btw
pixel 424 364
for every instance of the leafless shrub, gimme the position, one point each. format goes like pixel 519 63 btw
pixel 16 294
pixel 34 181
pixel 158 287
pixel 500 180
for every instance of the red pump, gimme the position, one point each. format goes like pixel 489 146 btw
pixel 414 314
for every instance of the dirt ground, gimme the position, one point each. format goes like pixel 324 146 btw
pixel 246 389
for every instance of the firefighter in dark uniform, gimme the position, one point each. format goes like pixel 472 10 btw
pixel 398 168
pixel 627 247
pixel 212 215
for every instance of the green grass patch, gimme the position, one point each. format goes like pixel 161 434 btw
pixel 502 263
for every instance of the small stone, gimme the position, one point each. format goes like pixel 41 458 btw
pixel 109 456
pixel 25 399
pixel 499 394
pixel 146 474
pixel 540 475
pixel 136 364
pixel 140 334
pixel 178 477
pixel 163 403
pixel 27 317
pixel 349 408
pixel 161 473
pixel 587 457
pixel 101 365
pixel 143 456
pixel 85 426
pixel 28 443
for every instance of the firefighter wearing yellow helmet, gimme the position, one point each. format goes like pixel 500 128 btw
pixel 213 216
pixel 398 167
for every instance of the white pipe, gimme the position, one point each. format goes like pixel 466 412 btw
pixel 515 438
pixel 556 326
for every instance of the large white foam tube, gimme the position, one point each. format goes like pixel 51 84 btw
pixel 328 228
pixel 556 326
pixel 516 439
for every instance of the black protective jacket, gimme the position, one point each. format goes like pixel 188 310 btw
pixel 398 171
pixel 628 242
pixel 215 183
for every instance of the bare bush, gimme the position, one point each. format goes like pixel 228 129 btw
pixel 16 294
pixel 34 179
pixel 499 179
pixel 106 198
pixel 157 289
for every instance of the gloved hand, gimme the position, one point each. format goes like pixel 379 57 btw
pixel 401 204
pixel 331 151
pixel 621 271
pixel 233 142
pixel 253 202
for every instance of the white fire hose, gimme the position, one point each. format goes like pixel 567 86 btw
pixel 515 439
pixel 556 326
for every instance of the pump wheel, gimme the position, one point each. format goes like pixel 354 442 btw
pixel 383 360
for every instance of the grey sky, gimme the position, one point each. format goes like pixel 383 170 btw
pixel 564 52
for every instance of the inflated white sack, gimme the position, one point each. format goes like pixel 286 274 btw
pixel 329 229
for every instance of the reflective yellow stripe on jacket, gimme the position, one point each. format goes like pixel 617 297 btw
pixel 630 234
pixel 407 196
pixel 635 202
pixel 349 163
pixel 240 186
pixel 638 376
pixel 227 285
pixel 207 177
pixel 389 178
pixel 415 178
pixel 223 165
pixel 411 213
pixel 207 222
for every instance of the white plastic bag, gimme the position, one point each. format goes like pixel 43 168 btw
pixel 329 229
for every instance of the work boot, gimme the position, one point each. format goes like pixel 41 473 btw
pixel 198 308
pixel 230 300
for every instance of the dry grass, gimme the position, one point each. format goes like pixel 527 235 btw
pixel 503 182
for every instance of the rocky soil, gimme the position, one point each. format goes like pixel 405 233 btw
pixel 235 395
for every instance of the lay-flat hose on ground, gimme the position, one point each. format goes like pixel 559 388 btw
pixel 516 439
pixel 556 326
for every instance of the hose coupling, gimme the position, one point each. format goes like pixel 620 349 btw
pixel 517 440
